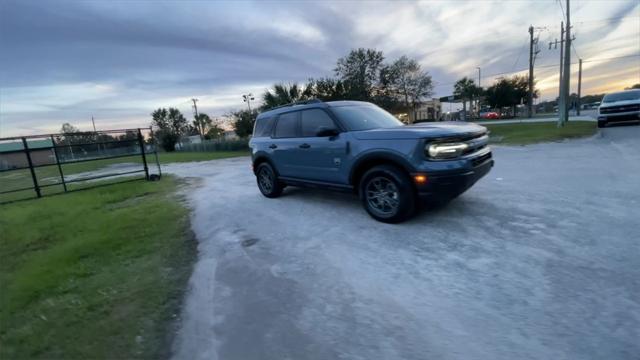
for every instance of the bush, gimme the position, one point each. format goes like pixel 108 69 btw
pixel 168 141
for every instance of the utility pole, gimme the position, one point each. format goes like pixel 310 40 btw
pixel 579 85
pixel 195 107
pixel 567 65
pixel 561 79
pixel 561 82
pixel 195 112
pixel 530 97
pixel 479 76
pixel 533 52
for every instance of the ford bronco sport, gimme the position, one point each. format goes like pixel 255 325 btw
pixel 357 146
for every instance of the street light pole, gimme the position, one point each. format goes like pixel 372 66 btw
pixel 248 98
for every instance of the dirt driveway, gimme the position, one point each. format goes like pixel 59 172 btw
pixel 540 260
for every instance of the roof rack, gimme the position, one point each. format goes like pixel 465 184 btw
pixel 303 102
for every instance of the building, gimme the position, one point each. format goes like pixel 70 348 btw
pixel 430 110
pixel 12 154
pixel 230 135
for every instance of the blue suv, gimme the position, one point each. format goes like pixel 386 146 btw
pixel 358 147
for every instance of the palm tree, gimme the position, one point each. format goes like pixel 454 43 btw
pixel 282 94
pixel 466 89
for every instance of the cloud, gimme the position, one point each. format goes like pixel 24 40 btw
pixel 67 60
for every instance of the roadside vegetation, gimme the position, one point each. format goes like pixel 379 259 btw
pixel 93 274
pixel 529 133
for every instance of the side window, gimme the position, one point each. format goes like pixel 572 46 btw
pixel 263 127
pixel 287 125
pixel 314 119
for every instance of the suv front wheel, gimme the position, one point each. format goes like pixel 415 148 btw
pixel 268 181
pixel 387 194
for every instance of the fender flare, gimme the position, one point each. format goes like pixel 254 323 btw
pixel 377 154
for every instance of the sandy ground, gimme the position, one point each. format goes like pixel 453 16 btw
pixel 539 260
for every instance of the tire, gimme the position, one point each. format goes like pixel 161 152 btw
pixel 387 194
pixel 267 181
pixel 602 124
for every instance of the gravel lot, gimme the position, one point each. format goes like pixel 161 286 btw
pixel 539 260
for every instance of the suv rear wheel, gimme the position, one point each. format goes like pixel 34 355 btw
pixel 268 181
pixel 387 194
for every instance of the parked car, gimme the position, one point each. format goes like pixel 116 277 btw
pixel 489 115
pixel 359 147
pixel 619 106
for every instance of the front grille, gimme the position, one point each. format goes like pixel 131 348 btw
pixel 619 109
pixel 476 143
pixel 473 149
pixel 481 159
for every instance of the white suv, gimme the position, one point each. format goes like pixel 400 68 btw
pixel 619 106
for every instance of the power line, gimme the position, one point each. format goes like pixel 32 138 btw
pixel 611 58
pixel 574 50
pixel 486 76
pixel 524 46
pixel 564 17
pixel 593 23
pixel 608 19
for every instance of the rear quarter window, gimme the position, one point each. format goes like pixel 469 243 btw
pixel 263 127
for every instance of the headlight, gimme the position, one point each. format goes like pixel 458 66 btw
pixel 446 151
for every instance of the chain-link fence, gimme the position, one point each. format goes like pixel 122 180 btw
pixel 38 165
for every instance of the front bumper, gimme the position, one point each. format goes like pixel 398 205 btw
pixel 449 186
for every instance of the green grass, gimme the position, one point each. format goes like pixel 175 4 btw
pixel 529 133
pixel 97 273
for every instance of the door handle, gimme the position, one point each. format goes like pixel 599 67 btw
pixel 273 146
pixel 305 146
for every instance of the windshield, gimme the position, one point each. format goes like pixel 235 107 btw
pixel 622 96
pixel 365 117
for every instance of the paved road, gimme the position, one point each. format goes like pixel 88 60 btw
pixel 540 260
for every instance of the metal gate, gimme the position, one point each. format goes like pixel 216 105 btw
pixel 40 165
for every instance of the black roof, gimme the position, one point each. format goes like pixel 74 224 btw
pixel 310 104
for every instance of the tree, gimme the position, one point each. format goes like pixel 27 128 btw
pixel 214 131
pixel 509 92
pixel 243 122
pixel 466 89
pixel 68 129
pixel 634 86
pixel 282 94
pixel 170 125
pixel 359 72
pixel 202 123
pixel 326 89
pixel 405 82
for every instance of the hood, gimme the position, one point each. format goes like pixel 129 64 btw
pixel 620 103
pixel 421 130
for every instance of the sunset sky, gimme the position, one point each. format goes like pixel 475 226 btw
pixel 63 61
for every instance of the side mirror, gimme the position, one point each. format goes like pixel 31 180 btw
pixel 324 131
